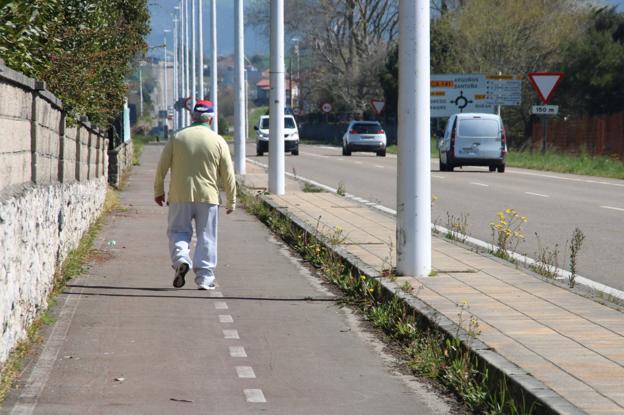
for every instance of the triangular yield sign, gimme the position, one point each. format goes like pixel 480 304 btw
pixel 545 83
pixel 378 105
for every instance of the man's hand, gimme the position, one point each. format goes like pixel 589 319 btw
pixel 228 211
pixel 160 200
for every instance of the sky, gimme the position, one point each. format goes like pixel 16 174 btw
pixel 162 18
pixel 255 43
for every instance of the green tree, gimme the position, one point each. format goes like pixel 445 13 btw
pixel 594 79
pixel 83 49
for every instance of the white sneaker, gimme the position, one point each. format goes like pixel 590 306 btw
pixel 210 286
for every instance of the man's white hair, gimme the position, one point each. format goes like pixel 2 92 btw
pixel 203 117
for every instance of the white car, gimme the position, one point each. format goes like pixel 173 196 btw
pixel 473 140
pixel 364 136
pixel 291 135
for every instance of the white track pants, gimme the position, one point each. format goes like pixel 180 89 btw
pixel 180 232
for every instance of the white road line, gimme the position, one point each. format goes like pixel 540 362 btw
pixel 536 194
pixel 571 179
pixel 254 395
pixel 480 184
pixel 612 208
pixel 225 318
pixel 220 305
pixel 329 148
pixel 231 334
pixel 378 166
pixel 237 351
pixel 358 162
pixel 245 372
pixel 40 374
pixel 216 294
pixel 437 177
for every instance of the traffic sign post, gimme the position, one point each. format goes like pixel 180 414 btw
pixel 545 84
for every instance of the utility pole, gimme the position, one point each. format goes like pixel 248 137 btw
pixel 276 120
pixel 166 71
pixel 214 97
pixel 176 95
pixel 201 49
pixel 193 56
pixel 239 90
pixel 413 228
pixel 185 60
pixel 140 89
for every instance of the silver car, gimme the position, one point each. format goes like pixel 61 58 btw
pixel 364 136
pixel 473 140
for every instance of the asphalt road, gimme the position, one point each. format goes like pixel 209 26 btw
pixel 554 203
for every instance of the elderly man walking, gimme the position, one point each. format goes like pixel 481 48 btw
pixel 200 161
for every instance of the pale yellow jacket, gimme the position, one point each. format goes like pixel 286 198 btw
pixel 200 163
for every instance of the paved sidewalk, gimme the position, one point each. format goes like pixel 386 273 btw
pixel 571 344
pixel 271 339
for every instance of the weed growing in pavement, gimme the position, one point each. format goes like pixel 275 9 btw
pixel 575 246
pixel 507 232
pixel 407 287
pixel 310 188
pixel 457 227
pixel 547 260
pixel 429 352
pixel 341 190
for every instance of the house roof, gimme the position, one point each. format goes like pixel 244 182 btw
pixel 266 84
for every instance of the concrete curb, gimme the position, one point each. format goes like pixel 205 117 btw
pixel 522 386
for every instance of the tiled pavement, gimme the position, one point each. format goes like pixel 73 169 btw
pixel 573 345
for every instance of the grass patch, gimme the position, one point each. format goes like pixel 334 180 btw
pixel 426 351
pixel 583 163
pixel 138 141
pixel 73 266
pixel 310 188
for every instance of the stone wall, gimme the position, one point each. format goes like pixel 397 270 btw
pixel 120 160
pixel 53 179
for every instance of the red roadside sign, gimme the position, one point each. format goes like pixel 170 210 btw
pixel 545 84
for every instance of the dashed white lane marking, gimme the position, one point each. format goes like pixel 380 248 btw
pixel 536 194
pixel 612 208
pixel 437 177
pixel 378 166
pixel 329 148
pixel 40 374
pixel 571 179
pixel 225 318
pixel 216 294
pixel 480 184
pixel 220 305
pixel 237 351
pixel 230 334
pixel 358 162
pixel 254 395
pixel 245 372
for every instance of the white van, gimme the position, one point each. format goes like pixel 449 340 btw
pixel 291 135
pixel 473 140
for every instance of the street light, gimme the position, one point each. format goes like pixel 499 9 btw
pixel 166 94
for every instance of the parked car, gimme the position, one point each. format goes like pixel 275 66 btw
pixel 473 140
pixel 291 135
pixel 364 136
